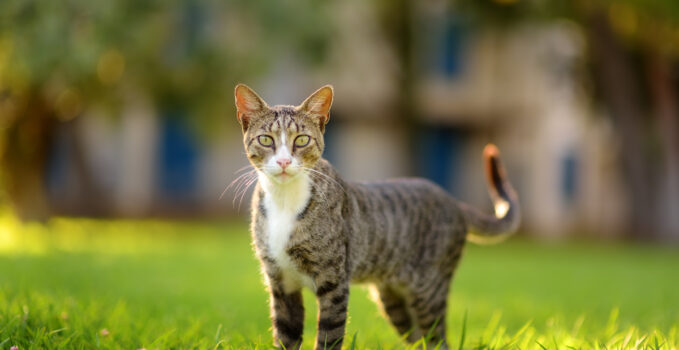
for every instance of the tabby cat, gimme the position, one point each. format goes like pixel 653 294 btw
pixel 312 229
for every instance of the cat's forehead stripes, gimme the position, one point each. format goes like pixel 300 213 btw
pixel 283 119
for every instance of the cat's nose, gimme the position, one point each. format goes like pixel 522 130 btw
pixel 283 162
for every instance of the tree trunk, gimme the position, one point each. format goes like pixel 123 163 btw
pixel 91 199
pixel 664 98
pixel 615 76
pixel 397 18
pixel 26 146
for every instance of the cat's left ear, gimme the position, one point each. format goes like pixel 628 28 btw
pixel 248 104
pixel 318 105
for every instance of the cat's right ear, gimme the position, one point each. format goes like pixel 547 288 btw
pixel 248 104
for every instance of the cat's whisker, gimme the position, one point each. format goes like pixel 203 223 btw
pixel 321 180
pixel 244 168
pixel 245 190
pixel 247 187
pixel 241 183
pixel 243 187
pixel 235 182
pixel 323 175
pixel 243 180
pixel 320 175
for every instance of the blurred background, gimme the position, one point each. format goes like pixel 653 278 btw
pixel 125 108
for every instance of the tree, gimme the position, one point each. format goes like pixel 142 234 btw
pixel 634 47
pixel 57 59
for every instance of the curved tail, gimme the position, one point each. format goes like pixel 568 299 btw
pixel 485 228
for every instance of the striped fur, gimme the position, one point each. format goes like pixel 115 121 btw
pixel 405 237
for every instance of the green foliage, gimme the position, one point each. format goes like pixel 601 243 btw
pixel 183 54
pixel 645 24
pixel 153 284
pixel 510 10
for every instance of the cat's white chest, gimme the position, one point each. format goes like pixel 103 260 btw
pixel 283 204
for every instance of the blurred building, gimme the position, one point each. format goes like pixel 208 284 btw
pixel 518 87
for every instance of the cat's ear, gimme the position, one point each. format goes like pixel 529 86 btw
pixel 248 103
pixel 318 105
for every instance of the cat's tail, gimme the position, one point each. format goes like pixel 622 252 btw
pixel 485 228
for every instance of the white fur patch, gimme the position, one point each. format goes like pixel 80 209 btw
pixel 283 202
pixel 501 208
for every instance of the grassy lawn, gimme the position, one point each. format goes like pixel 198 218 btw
pixel 152 284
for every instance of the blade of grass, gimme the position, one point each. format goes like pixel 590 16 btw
pixel 464 330
pixel 353 341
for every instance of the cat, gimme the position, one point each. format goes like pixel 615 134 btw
pixel 312 229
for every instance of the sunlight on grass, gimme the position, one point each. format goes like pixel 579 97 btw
pixel 18 238
pixel 559 335
pixel 80 283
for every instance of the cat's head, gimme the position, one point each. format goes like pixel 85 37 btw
pixel 282 141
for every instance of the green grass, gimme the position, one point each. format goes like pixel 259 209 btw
pixel 128 284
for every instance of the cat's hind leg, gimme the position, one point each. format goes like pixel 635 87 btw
pixel 395 308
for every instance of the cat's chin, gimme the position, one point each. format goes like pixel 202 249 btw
pixel 282 178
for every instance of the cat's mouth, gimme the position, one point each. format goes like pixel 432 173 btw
pixel 283 176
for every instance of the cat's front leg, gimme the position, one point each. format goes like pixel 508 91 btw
pixel 287 316
pixel 333 298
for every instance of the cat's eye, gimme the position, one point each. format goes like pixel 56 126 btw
pixel 302 140
pixel 265 140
